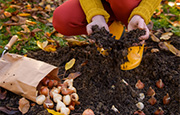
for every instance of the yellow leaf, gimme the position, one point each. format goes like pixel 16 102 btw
pixel 42 45
pixel 1 27
pixel 30 22
pixel 50 19
pixel 102 51
pixel 166 36
pixel 24 14
pixel 70 64
pixel 7 14
pixel 50 40
pixel 50 48
pixel 172 49
pixel 54 112
pixel 74 42
pixel 59 35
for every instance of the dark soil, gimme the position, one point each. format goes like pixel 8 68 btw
pixel 100 86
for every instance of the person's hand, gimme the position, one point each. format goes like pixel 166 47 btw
pixel 97 20
pixel 138 22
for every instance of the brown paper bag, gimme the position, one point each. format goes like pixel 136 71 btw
pixel 22 75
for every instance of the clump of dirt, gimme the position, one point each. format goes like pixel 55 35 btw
pixel 100 85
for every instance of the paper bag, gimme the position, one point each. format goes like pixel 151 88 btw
pixel 22 75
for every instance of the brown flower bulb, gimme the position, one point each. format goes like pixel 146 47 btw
pixel 139 85
pixel 160 84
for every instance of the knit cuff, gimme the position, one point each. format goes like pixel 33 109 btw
pixel 96 11
pixel 145 9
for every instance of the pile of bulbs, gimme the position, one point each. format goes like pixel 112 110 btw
pixel 63 94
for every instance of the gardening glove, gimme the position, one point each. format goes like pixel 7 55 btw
pixel 138 22
pixel 97 20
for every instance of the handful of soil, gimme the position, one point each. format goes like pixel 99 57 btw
pixel 115 48
pixel 105 39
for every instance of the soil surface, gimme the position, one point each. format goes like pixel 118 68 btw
pixel 100 85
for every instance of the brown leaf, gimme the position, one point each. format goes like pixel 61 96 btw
pixel 73 75
pixel 23 105
pixel 3 94
pixel 163 46
pixel 172 49
pixel 36 30
pixel 26 29
pixel 15 18
pixel 7 111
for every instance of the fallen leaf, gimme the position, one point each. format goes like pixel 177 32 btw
pixel 7 14
pixel 154 50
pixel 54 112
pixel 70 64
pixel 30 22
pixel 50 19
pixel 3 94
pixel 50 48
pixel 166 36
pixel 15 18
pixel 172 49
pixel 59 35
pixel 24 14
pixel 75 42
pixel 23 105
pixel 42 45
pixel 154 38
pixel 15 6
pixel 26 29
pixel 7 111
pixel 73 75
pixel 163 46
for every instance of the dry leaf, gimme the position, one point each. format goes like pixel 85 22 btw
pixel 154 50
pixel 50 48
pixel 15 6
pixel 59 35
pixel 172 49
pixel 73 75
pixel 15 18
pixel 1 27
pixel 54 112
pixel 70 64
pixel 163 46
pixel 3 94
pixel 23 105
pixel 50 19
pixel 166 36
pixel 26 29
pixel 42 45
pixel 154 38
pixel 30 22
pixel 74 42
pixel 8 111
pixel 24 14
pixel 7 14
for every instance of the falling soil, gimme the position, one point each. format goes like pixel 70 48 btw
pixel 100 85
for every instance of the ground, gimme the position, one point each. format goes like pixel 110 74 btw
pixel 100 85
